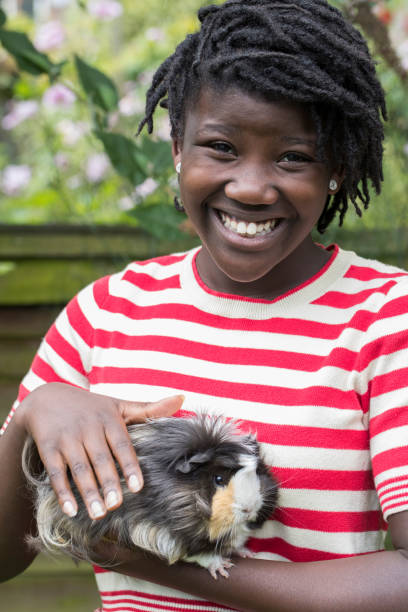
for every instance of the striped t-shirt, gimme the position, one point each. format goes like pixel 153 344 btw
pixel 319 374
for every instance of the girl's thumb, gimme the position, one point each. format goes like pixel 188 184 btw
pixel 138 412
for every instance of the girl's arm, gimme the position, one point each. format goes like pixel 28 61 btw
pixel 375 582
pixel 72 428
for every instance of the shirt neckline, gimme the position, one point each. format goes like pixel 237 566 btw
pixel 232 306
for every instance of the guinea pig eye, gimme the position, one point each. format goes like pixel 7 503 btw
pixel 219 480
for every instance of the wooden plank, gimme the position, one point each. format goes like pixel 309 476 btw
pixel 16 356
pixel 55 241
pixel 26 321
pixel 50 282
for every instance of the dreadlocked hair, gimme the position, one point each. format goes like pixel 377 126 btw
pixel 298 50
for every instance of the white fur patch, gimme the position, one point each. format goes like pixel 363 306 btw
pixel 157 540
pixel 247 490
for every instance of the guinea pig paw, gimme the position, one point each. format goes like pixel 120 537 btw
pixel 245 553
pixel 221 566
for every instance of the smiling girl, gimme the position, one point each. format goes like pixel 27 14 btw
pixel 275 110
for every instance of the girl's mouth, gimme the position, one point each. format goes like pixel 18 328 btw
pixel 245 228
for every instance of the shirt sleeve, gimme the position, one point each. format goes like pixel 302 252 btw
pixel 384 362
pixel 65 354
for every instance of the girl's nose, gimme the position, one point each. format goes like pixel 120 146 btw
pixel 252 187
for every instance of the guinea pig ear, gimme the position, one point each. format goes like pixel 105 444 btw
pixel 189 464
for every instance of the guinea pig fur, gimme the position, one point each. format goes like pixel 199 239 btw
pixel 206 488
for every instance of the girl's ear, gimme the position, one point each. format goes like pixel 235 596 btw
pixel 176 151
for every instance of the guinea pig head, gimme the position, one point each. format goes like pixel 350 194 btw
pixel 235 486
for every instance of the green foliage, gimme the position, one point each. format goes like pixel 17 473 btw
pixel 26 55
pixel 81 159
pixel 99 88
pixel 124 154
pixel 158 219
pixel 77 143
pixel 3 17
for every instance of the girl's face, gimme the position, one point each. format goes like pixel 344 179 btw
pixel 253 189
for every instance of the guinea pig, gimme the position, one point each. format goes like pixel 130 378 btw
pixel 206 487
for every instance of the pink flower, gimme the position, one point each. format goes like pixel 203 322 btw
pixel 61 160
pixel 155 34
pixel 14 179
pixel 131 105
pixel 58 96
pixel 71 132
pixel 403 53
pixel 145 189
pixel 96 167
pixel 125 203
pixel 105 10
pixel 49 36
pixel 19 112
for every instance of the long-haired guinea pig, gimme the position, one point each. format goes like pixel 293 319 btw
pixel 206 488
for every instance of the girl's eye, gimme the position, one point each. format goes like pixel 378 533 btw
pixel 295 158
pixel 222 147
pixel 219 480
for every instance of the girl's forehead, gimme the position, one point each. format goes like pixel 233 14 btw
pixel 232 106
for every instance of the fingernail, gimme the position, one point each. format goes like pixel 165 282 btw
pixel 96 509
pixel 68 508
pixel 111 499
pixel 134 483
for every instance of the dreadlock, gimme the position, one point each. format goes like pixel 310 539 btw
pixel 298 50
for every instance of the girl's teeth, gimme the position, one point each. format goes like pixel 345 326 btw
pixel 242 227
pixel 248 229
pixel 251 229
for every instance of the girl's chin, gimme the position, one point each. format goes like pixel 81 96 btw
pixel 233 276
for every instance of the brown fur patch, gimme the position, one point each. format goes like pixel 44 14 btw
pixel 222 515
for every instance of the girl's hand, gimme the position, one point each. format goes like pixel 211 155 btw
pixel 85 432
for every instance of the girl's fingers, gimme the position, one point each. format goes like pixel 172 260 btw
pixel 124 453
pixel 83 475
pixel 57 472
pixel 104 467
pixel 88 447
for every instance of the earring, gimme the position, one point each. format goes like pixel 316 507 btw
pixel 178 205
pixel 178 167
pixel 333 185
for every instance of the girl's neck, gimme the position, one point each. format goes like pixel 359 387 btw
pixel 306 261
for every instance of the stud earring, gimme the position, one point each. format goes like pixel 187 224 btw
pixel 178 205
pixel 178 167
pixel 333 185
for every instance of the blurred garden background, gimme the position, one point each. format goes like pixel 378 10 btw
pixel 80 194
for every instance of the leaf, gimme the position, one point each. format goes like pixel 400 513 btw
pixel 160 220
pixel 27 56
pixel 98 87
pixel 123 154
pixel 158 155
pixel 3 17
